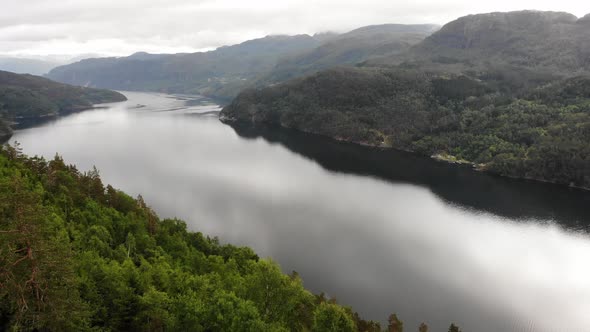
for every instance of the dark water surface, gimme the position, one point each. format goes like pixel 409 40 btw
pixel 383 231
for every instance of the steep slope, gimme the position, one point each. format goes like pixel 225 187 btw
pixel 541 41
pixel 351 48
pixel 186 73
pixel 28 96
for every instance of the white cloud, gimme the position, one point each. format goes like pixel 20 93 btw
pixel 121 27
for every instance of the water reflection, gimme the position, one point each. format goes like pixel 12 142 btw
pixel 520 199
pixel 407 244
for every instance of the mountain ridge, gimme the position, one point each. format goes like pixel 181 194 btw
pixel 538 40
pixel 26 66
pixel 351 48
pixel 223 72
pixel 184 72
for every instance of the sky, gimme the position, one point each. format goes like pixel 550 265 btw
pixel 122 27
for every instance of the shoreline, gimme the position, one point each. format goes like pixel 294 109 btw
pixel 33 121
pixel 437 157
pixel 4 138
pixel 6 131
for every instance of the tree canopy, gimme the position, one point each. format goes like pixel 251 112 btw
pixel 76 255
pixel 535 127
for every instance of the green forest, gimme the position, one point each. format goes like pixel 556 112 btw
pixel 491 90
pixel 28 96
pixel 506 120
pixel 76 255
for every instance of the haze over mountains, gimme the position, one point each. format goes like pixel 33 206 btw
pixel 549 43
pixel 27 66
pixel 38 64
pixel 187 73
pixel 226 70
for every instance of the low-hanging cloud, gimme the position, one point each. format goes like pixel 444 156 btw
pixel 120 27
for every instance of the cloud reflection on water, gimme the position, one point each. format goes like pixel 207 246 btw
pixel 377 245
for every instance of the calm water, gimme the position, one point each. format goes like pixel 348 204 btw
pixel 382 231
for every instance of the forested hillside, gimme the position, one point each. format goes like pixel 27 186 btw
pixel 513 128
pixel 351 48
pixel 506 92
pixel 28 96
pixel 222 73
pixel 184 73
pixel 78 256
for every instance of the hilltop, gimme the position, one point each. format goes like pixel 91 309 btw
pixel 24 97
pixel 548 42
pixel 351 48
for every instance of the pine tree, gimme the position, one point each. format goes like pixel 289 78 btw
pixel 454 328
pixel 37 281
pixel 395 324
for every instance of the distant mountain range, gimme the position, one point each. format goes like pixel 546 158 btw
pixel 38 64
pixel 186 73
pixel 27 66
pixel 222 73
pixel 546 43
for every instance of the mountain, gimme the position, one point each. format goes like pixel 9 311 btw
pixel 508 93
pixel 552 42
pixel 184 73
pixel 24 97
pixel 224 72
pixel 40 64
pixel 352 48
pixel 26 66
pixel 145 56
pixel 323 37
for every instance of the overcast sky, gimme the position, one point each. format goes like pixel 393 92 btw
pixel 121 27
